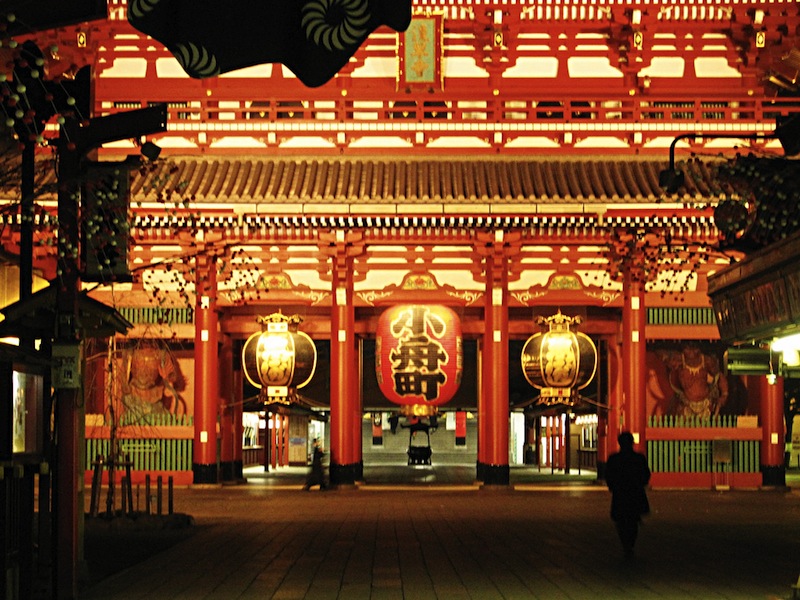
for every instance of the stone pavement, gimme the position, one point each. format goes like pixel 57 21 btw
pixel 433 540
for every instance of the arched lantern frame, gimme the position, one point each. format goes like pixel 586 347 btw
pixel 279 359
pixel 559 362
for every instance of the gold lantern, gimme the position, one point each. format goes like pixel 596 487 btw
pixel 559 362
pixel 279 359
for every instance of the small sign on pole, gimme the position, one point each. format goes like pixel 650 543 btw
pixel 66 370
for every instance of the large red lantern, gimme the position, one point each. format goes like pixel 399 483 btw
pixel 279 359
pixel 419 356
pixel 560 361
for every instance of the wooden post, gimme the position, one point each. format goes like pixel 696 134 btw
pixel 206 372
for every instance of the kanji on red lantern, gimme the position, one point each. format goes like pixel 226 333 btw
pixel 419 356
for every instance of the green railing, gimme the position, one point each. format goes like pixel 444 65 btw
pixel 681 316
pixel 151 442
pixel 153 315
pixel 156 420
pixel 146 454
pixel 671 421
pixel 697 456
pixel 704 448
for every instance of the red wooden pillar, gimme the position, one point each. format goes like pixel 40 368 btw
pixel 345 456
pixel 284 440
pixel 68 495
pixel 277 433
pixel 493 468
pixel 273 440
pixel 358 417
pixel 275 450
pixel 227 440
pixel 483 356
pixel 237 397
pixel 206 373
pixel 608 421
pixel 551 444
pixel 634 356
pixel 602 442
pixel 461 428
pixel 265 441
pixel 773 439
pixel 280 460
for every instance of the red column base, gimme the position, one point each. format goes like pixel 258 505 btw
pixel 205 473
pixel 232 471
pixel 346 474
pixel 773 475
pixel 494 474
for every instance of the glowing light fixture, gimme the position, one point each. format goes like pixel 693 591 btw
pixel 560 361
pixel 789 342
pixel 279 359
pixel 419 356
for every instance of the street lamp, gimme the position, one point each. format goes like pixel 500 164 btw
pixel 671 179
pixel 787 132
pixel 74 142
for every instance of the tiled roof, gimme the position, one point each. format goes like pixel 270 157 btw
pixel 376 181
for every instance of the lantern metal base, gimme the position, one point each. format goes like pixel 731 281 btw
pixel 268 399
pixel 418 410
pixel 556 396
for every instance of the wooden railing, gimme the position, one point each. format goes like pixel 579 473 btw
pixel 697 456
pixel 334 125
pixel 162 446
pixel 703 452
pixel 147 454
pixel 157 315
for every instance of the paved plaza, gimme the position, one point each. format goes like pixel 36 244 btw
pixel 431 535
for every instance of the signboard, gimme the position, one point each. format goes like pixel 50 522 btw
pixel 421 53
pixel 66 370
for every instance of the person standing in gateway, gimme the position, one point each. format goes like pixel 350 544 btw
pixel 316 475
pixel 627 474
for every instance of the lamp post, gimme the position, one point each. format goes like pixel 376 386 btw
pixel 671 180
pixel 74 143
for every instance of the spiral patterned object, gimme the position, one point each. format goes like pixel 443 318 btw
pixel 196 60
pixel 139 8
pixel 335 36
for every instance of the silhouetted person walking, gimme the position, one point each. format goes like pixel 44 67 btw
pixel 316 476
pixel 627 474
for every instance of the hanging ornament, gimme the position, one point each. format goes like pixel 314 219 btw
pixel 419 356
pixel 279 359
pixel 559 362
